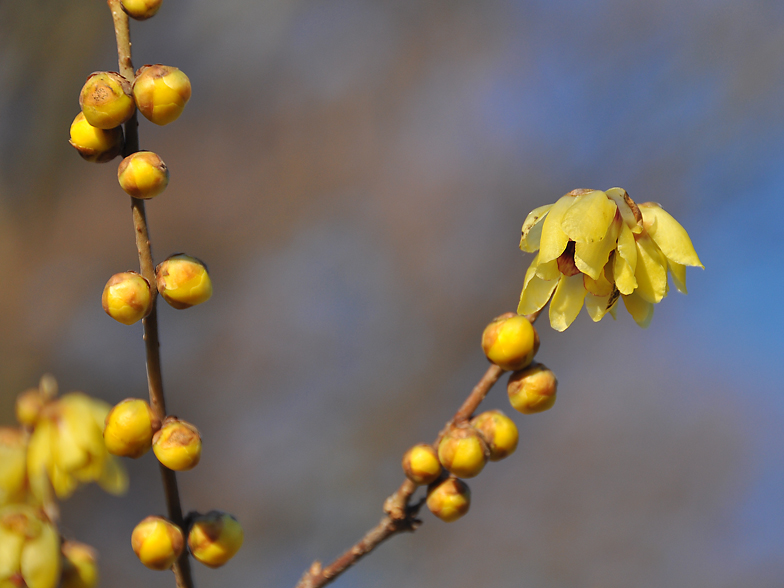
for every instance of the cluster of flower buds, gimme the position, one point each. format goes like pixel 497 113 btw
pixel 511 342
pixel 212 538
pixel 57 447
pixel 107 100
pixel 132 428
pixel 183 281
pixel 462 452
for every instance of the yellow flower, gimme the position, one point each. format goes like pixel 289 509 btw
pixel 29 548
pixel 66 449
pixel 596 247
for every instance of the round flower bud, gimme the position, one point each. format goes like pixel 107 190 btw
pixel 510 341
pixel 532 389
pixel 28 406
pixel 161 92
pixel 449 500
pixel 177 444
pixel 94 144
pixel 421 465
pixel 129 428
pixel 106 100
pixel 463 452
pixel 214 538
pixel 141 9
pixel 143 175
pixel 127 297
pixel 80 568
pixel 499 431
pixel 183 281
pixel 157 542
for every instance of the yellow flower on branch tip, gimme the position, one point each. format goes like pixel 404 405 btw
pixel 67 449
pixel 595 247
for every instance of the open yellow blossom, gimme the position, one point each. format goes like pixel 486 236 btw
pixel 66 449
pixel 596 247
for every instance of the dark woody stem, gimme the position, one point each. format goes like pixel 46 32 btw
pixel 182 570
pixel 400 513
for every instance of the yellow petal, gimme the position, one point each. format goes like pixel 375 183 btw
pixel 588 219
pixel 670 236
pixel 567 301
pixel 651 271
pixel 678 273
pixel 532 228
pixel 641 310
pixel 621 198
pixel 39 458
pixel 114 478
pixel 535 295
pixel 40 564
pixel 10 551
pixel 63 482
pixel 590 258
pixel 600 287
pixel 553 240
pixel 549 270
pixel 625 261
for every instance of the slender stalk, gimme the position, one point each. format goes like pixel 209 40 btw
pixel 182 570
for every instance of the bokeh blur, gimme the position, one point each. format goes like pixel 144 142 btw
pixel 355 173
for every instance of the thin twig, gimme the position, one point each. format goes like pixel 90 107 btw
pixel 182 570
pixel 401 515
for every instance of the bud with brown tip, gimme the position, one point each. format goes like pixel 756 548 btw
pixel 177 444
pixel 421 465
pixel 214 538
pixel 94 144
pixel 157 542
pixel 143 175
pixel 106 100
pixel 510 341
pixel 533 389
pixel 463 452
pixel 129 428
pixel 161 92
pixel 499 431
pixel 183 281
pixel 141 9
pixel 449 500
pixel 127 297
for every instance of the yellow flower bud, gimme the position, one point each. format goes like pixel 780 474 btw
pixel 463 452
pixel 177 444
pixel 13 465
pixel 80 568
pixel 161 92
pixel 127 297
pixel 510 341
pixel 129 428
pixel 106 100
pixel 214 538
pixel 499 431
pixel 94 144
pixel 183 281
pixel 449 500
pixel 28 406
pixel 29 548
pixel 421 465
pixel 532 389
pixel 143 175
pixel 157 542
pixel 141 9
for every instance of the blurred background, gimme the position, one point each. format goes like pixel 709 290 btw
pixel 355 173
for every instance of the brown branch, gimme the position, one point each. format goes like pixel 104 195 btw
pixel 182 570
pixel 401 516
